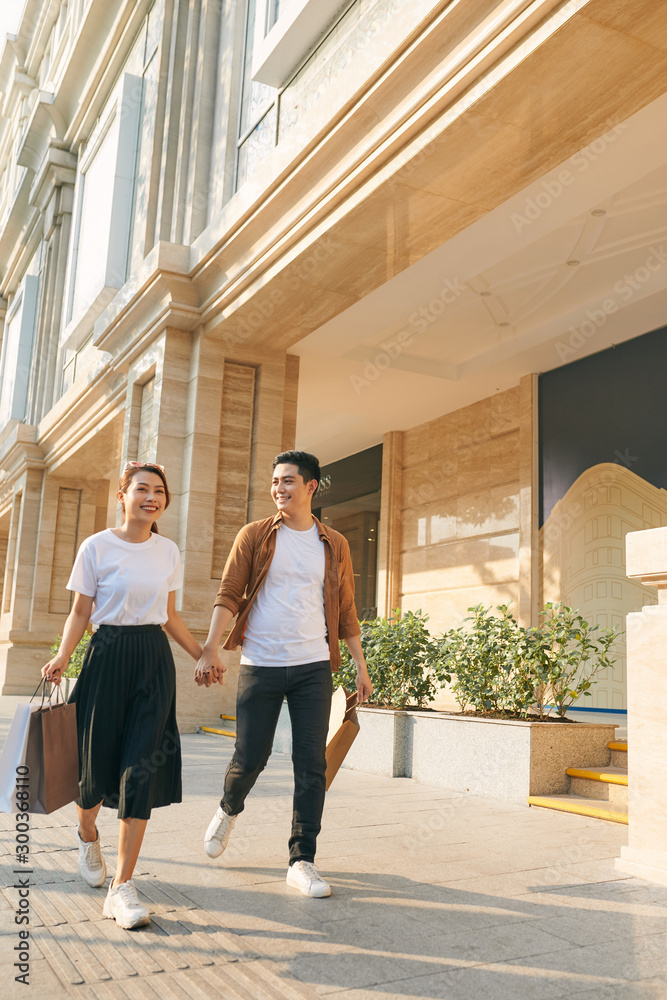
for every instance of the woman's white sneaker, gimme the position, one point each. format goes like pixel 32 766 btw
pixel 304 876
pixel 219 831
pixel 92 866
pixel 123 905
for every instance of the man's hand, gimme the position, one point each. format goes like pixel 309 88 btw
pixel 209 669
pixel 364 686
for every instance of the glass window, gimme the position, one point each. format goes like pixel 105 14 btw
pixel 17 343
pixel 105 194
pixel 257 115
pixel 95 220
pixel 359 521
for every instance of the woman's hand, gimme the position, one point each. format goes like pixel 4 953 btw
pixel 54 669
pixel 209 669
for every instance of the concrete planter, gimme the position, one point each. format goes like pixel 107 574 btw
pixel 499 758
pixel 504 759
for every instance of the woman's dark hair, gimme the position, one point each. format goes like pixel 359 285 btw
pixel 307 464
pixel 130 471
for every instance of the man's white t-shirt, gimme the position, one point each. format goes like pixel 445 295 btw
pixel 129 581
pixel 287 625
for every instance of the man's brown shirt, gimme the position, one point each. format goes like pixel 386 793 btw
pixel 248 565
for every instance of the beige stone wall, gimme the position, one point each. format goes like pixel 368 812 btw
pixel 458 526
pixel 460 511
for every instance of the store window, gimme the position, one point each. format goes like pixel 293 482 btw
pixel 349 498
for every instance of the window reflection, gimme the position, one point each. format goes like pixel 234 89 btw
pixel 359 521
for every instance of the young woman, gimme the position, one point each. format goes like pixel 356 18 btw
pixel 124 581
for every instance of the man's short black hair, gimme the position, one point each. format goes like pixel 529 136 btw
pixel 308 465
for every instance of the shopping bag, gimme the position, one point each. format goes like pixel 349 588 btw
pixel 13 757
pixel 343 729
pixel 52 756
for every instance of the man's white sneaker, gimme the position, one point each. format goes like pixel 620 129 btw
pixel 219 831
pixel 122 905
pixel 304 876
pixel 92 865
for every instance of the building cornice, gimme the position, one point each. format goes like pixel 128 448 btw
pixel 19 451
pixel 159 294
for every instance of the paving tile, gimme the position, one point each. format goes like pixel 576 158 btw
pixel 612 962
pixel 495 983
pixel 434 895
pixel 645 989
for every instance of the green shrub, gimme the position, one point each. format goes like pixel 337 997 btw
pixel 402 658
pixel 566 653
pixel 489 660
pixel 502 667
pixel 76 659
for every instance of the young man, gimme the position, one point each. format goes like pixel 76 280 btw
pixel 289 581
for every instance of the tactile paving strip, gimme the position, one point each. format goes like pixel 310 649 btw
pixel 184 954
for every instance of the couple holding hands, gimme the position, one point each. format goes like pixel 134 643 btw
pixel 288 581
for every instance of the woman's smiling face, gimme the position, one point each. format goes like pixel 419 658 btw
pixel 145 498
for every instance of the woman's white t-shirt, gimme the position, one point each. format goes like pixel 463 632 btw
pixel 287 626
pixel 129 581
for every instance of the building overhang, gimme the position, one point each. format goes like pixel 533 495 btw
pixel 389 181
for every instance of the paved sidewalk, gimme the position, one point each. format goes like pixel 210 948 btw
pixel 435 895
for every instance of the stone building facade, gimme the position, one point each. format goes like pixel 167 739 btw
pixel 230 226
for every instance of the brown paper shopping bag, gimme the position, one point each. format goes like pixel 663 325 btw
pixel 343 729
pixel 53 757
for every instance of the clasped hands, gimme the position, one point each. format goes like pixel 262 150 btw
pixel 209 669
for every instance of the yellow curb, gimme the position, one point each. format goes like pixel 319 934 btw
pixel 561 805
pixel 618 746
pixel 232 718
pixel 609 778
pixel 218 732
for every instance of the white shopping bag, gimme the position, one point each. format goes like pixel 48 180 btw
pixel 13 755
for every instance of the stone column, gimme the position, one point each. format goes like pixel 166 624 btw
pixel 21 652
pixel 529 498
pixel 646 853
pixel 389 554
pixel 215 423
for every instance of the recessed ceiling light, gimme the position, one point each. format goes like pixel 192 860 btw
pixel 598 211
pixel 573 263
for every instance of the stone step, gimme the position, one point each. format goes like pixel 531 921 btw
pixel 582 806
pixel 218 732
pixel 227 731
pixel 619 753
pixel 606 783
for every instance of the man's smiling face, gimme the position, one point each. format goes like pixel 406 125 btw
pixel 289 491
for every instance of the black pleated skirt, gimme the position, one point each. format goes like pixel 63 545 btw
pixel 129 745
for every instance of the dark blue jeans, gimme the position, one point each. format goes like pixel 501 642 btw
pixel 261 691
